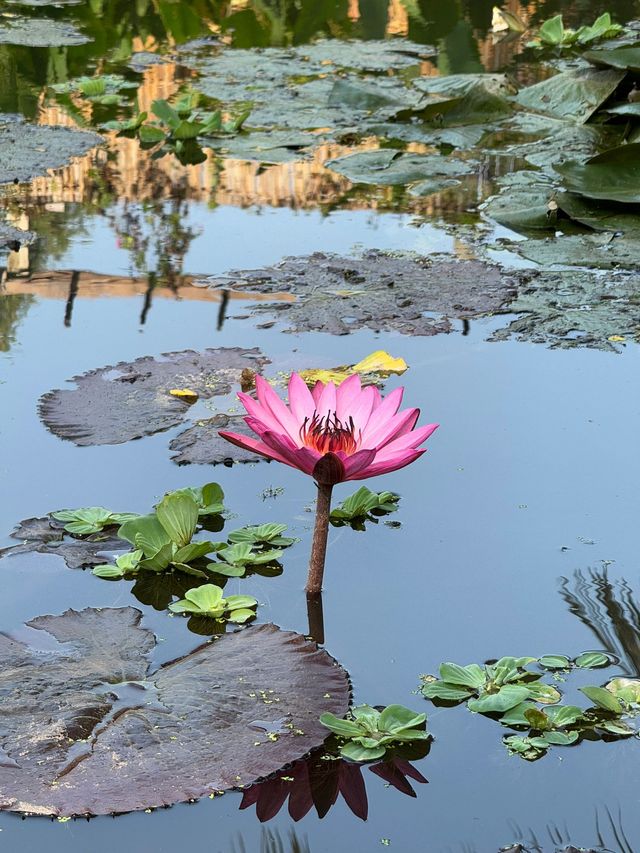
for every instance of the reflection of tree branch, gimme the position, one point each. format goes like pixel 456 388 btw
pixel 607 831
pixel 610 611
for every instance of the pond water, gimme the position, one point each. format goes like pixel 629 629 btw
pixel 515 532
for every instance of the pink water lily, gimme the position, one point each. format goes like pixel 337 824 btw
pixel 333 434
pixel 362 433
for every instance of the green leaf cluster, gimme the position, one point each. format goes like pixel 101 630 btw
pixel 103 90
pixel 164 540
pixel 91 519
pixel 177 127
pixel 510 692
pixel 207 601
pixel 553 33
pixel 367 732
pixel 364 505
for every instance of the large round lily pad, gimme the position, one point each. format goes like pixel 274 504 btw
pixel 91 728
pixel 112 405
pixel 378 290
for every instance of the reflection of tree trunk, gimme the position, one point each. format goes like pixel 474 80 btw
pixel 315 616
pixel 610 611
pixel 73 292
pixel 148 297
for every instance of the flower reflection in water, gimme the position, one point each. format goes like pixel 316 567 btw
pixel 320 780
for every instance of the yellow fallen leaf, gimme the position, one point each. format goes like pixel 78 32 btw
pixel 185 394
pixel 616 339
pixel 379 362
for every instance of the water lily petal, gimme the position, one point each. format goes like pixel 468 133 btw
pixel 298 457
pixel 391 429
pixel 361 409
pixel 347 395
pixel 409 441
pixel 253 444
pixel 270 400
pixel 260 413
pixel 301 402
pixel 383 412
pixel 393 463
pixel 326 403
pixel 357 462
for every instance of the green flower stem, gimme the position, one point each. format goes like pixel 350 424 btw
pixel 319 545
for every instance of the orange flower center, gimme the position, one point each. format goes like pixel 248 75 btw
pixel 329 434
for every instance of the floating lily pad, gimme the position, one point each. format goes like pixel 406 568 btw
pixel 306 87
pixel 612 175
pixel 40 32
pixel 376 56
pixel 377 290
pixel 46 536
pixel 273 147
pixel 91 728
pixel 390 167
pixel 598 251
pixel 201 444
pixel 623 58
pixel 574 94
pixel 575 309
pixel 28 150
pixel 112 405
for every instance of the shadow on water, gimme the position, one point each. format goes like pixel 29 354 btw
pixel 609 609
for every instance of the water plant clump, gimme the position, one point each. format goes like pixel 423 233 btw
pixel 362 506
pixel 366 733
pixel 207 600
pixel 509 692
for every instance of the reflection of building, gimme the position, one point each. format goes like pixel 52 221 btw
pixel 126 172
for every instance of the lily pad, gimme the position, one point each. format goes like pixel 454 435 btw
pixel 378 290
pixel 202 445
pixel 28 150
pixel 623 58
pixel 598 251
pixel 391 167
pixel 612 175
pixel 40 32
pixel 574 94
pixel 112 405
pixel 92 728
pixel 575 309
pixel 46 536
pixel 273 147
